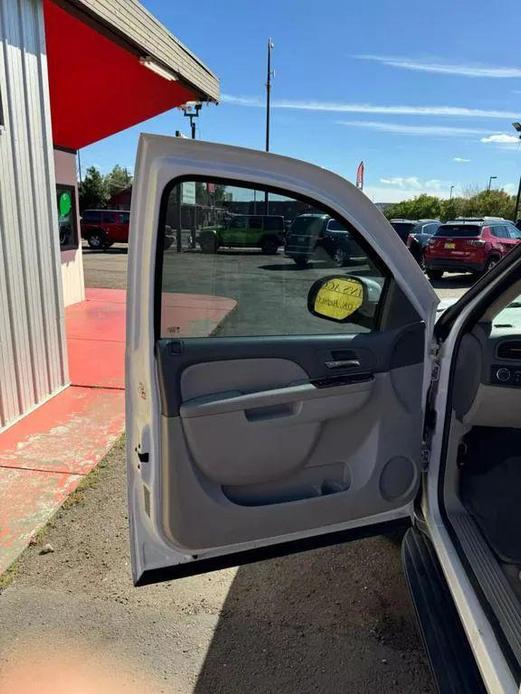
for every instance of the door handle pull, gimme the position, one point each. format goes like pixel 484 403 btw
pixel 343 364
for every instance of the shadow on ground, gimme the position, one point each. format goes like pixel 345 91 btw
pixel 459 281
pixel 319 621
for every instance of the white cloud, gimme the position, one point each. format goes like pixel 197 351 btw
pixel 442 68
pixel 460 160
pixel 400 110
pixel 423 130
pixel 501 139
pixel 413 183
pixel 393 193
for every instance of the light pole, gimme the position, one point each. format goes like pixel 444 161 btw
pixel 191 110
pixel 268 100
pixel 492 178
pixel 450 194
pixel 517 128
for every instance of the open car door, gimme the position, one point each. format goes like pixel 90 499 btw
pixel 271 406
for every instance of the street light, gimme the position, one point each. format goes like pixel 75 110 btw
pixel 492 178
pixel 191 110
pixel 450 194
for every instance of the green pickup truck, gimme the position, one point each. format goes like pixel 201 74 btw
pixel 245 231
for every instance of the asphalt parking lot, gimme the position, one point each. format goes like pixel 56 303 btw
pixel 219 274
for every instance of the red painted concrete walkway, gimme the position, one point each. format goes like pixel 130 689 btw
pixel 44 456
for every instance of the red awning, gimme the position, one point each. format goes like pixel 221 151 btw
pixel 98 86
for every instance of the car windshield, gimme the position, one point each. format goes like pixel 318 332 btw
pixel 403 229
pixel 307 225
pixel 458 230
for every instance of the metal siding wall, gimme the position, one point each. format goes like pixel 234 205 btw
pixel 33 361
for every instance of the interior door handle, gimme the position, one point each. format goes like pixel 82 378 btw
pixel 343 364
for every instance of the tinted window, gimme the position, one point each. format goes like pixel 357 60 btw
pixel 515 233
pixel 500 231
pixel 110 218
pixel 334 225
pixel 429 229
pixel 125 217
pixel 91 217
pixel 403 229
pixel 238 223
pixel 307 225
pixel 459 230
pixel 241 295
pixel 273 223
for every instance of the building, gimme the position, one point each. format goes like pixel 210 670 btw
pixel 71 73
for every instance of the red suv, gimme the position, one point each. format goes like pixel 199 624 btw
pixel 469 245
pixel 102 228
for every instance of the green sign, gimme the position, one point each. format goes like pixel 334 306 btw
pixel 188 193
pixel 65 204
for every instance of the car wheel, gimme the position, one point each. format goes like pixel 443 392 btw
pixel 270 246
pixel 435 274
pixel 491 262
pixel 301 261
pixel 97 240
pixel 340 257
pixel 208 244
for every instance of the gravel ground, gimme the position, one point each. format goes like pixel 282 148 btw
pixel 336 619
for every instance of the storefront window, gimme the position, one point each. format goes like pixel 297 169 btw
pixel 67 217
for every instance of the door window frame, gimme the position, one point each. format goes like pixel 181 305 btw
pixel 238 183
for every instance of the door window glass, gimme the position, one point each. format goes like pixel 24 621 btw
pixel 264 289
pixel 110 218
pixel 67 226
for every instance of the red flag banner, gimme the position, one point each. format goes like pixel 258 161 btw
pixel 360 176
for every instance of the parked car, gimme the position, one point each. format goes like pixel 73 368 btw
pixel 419 237
pixel 258 443
pixel 245 231
pixel 102 228
pixel 469 245
pixel 314 235
pixel 404 227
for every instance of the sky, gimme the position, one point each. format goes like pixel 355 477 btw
pixel 423 93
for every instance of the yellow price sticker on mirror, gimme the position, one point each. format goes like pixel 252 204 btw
pixel 338 298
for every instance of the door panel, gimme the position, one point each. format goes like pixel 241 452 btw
pixel 277 425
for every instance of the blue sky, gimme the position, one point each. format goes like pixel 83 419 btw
pixel 424 93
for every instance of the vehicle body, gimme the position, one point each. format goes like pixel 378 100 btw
pixel 102 228
pixel 419 238
pixel 319 236
pixel 470 245
pixel 245 231
pixel 326 421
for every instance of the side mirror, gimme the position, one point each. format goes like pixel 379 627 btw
pixel 343 298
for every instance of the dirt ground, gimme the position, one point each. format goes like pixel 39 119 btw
pixel 337 619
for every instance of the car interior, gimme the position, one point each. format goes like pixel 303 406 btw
pixel 483 464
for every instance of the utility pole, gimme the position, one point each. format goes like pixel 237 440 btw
pixel 492 178
pixel 450 194
pixel 516 213
pixel 268 103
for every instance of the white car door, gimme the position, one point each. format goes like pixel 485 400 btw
pixel 270 407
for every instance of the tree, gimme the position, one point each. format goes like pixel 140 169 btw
pixel 474 203
pixel 93 190
pixel 420 207
pixel 117 180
